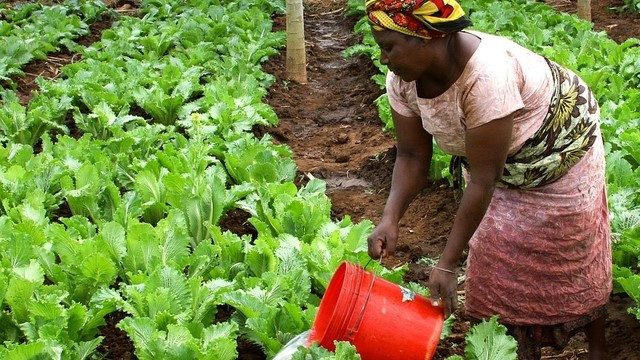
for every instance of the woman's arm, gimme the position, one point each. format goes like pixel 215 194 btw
pixel 409 176
pixel 411 167
pixel 486 147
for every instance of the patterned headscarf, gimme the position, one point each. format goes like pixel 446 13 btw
pixel 422 18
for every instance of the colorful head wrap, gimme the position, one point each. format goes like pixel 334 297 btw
pixel 422 18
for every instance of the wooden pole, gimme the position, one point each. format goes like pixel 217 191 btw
pixel 296 56
pixel 584 9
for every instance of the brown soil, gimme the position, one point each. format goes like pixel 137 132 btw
pixel 331 124
pixel 237 222
pixel 116 344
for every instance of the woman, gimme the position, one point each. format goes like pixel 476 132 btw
pixel 534 212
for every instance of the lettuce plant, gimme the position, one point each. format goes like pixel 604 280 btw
pixel 488 340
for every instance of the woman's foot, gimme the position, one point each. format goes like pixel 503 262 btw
pixel 529 347
pixel 596 339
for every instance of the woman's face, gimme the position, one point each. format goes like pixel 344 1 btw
pixel 406 56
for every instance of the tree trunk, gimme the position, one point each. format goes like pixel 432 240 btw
pixel 584 9
pixel 296 57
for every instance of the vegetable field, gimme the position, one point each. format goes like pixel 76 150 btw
pixel 166 194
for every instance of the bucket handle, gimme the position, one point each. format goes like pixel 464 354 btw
pixel 356 325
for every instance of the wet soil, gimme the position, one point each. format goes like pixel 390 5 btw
pixel 331 124
pixel 116 343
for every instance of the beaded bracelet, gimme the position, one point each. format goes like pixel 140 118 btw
pixel 445 270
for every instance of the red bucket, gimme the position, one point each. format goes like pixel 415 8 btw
pixel 382 320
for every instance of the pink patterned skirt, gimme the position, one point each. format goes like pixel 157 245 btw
pixel 542 256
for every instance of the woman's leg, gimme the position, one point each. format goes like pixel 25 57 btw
pixel 532 338
pixel 529 347
pixel 596 338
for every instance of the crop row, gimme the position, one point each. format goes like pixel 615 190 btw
pixel 32 30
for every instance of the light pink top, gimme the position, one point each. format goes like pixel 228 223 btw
pixel 501 78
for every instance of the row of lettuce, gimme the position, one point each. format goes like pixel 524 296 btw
pixel 29 31
pixel 613 72
pixel 629 6
pixel 114 180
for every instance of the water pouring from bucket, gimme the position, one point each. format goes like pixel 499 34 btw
pixel 383 320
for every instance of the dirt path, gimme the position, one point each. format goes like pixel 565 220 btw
pixel 332 126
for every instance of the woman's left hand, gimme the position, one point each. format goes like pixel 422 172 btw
pixel 444 290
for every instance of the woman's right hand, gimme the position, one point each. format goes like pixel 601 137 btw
pixel 382 240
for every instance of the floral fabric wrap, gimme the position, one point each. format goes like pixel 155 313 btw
pixel 567 133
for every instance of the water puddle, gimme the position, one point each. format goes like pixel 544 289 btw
pixel 342 182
